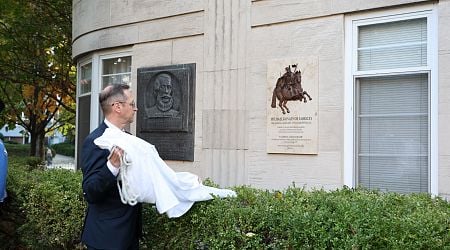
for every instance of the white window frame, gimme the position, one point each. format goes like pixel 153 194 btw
pixel 351 73
pixel 80 64
pixel 110 56
pixel 96 86
pixel 95 120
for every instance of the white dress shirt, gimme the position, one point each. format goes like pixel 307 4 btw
pixel 114 170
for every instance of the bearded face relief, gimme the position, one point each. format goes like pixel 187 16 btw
pixel 163 93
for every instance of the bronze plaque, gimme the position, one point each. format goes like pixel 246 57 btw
pixel 292 106
pixel 165 116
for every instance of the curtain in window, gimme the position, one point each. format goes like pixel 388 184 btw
pixel 393 133
pixel 390 45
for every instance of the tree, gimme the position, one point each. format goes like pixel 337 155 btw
pixel 37 75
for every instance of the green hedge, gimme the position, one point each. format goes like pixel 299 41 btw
pixel 299 219
pixel 50 203
pixel 67 149
pixel 18 149
pixel 53 210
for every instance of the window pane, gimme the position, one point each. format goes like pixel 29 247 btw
pixel 115 79
pixel 387 94
pixel 83 123
pixel 85 78
pixel 405 135
pixel 394 174
pixel 116 70
pixel 392 45
pixel 393 133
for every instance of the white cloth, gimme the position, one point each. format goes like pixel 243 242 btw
pixel 147 178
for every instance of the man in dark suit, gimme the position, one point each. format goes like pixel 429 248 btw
pixel 109 224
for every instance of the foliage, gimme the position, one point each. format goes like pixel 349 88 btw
pixel 37 75
pixel 51 203
pixel 15 149
pixel 22 150
pixel 67 149
pixel 33 162
pixel 11 142
pixel 53 210
pixel 297 219
pixel 67 128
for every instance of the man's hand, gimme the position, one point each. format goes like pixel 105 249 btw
pixel 115 155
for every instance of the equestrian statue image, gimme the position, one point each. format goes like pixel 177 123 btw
pixel 289 88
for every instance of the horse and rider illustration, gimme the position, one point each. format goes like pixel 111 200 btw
pixel 289 88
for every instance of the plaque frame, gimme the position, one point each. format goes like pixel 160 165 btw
pixel 172 131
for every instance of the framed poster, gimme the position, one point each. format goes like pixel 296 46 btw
pixel 292 106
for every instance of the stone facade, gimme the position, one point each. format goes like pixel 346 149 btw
pixel 231 43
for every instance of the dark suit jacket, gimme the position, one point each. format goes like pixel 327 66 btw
pixel 109 224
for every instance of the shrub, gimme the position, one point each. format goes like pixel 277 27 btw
pixel 52 206
pixel 18 149
pixel 33 162
pixel 66 149
pixel 299 219
pixel 63 206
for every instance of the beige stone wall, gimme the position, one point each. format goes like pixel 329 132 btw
pixel 105 24
pixel 231 43
pixel 265 12
pixel 225 130
pixel 444 99
pixel 299 39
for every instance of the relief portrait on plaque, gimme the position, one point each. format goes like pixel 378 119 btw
pixel 163 98
pixel 289 88
pixel 166 108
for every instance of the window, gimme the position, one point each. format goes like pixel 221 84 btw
pixel 85 79
pixel 84 87
pixel 392 136
pixel 116 70
pixel 391 45
pixel 391 110
pixel 94 73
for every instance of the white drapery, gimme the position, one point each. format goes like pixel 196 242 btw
pixel 146 177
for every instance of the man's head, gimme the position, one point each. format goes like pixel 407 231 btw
pixel 163 92
pixel 118 104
